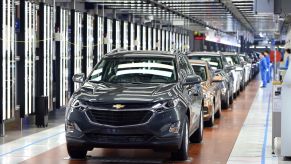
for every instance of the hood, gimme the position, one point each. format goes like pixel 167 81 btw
pixel 106 92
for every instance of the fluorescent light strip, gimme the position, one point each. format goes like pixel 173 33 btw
pixel 144 37
pixel 145 65
pixel 143 71
pixel 3 78
pixel 125 35
pixel 149 38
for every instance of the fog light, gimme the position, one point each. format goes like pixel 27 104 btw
pixel 175 127
pixel 71 127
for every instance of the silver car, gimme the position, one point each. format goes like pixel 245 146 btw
pixel 232 58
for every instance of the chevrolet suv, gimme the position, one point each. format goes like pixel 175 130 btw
pixel 136 99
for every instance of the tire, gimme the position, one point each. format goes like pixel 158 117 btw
pixel 225 104
pixel 197 136
pixel 210 122
pixel 76 152
pixel 242 86
pixel 218 112
pixel 231 99
pixel 182 153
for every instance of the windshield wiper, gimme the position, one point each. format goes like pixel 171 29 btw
pixel 92 81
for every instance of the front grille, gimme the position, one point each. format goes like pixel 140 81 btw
pixel 102 105
pixel 118 138
pixel 119 118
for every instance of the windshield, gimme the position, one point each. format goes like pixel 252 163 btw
pixel 200 71
pixel 135 70
pixel 214 61
pixel 232 59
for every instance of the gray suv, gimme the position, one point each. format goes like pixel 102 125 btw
pixel 136 99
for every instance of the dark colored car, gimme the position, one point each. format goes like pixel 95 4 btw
pixel 136 99
pixel 211 90
pixel 218 63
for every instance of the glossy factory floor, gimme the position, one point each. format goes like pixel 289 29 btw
pixel 241 135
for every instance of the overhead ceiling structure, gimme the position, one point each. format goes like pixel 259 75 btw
pixel 214 14
pixel 266 22
pixel 226 16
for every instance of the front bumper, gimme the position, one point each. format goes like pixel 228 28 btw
pixel 153 134
pixel 139 142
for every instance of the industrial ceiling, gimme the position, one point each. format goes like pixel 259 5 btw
pixel 227 16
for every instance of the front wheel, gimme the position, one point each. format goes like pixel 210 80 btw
pixel 210 122
pixel 182 153
pixel 231 99
pixel 197 136
pixel 76 152
pixel 242 86
pixel 225 104
pixel 218 113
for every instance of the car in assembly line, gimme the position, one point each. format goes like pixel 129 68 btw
pixel 211 85
pixel 219 65
pixel 238 71
pixel 136 99
pixel 255 61
pixel 247 65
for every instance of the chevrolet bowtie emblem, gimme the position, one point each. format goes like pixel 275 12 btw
pixel 118 106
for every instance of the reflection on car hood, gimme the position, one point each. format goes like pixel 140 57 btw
pixel 106 92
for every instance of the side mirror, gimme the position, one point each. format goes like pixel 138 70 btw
pixel 79 78
pixel 217 79
pixel 191 80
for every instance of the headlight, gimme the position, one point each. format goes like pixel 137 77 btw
pixel 74 104
pixel 165 105
pixel 78 105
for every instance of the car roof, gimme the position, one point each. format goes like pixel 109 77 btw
pixel 162 54
pixel 198 62
pixel 229 53
pixel 204 53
